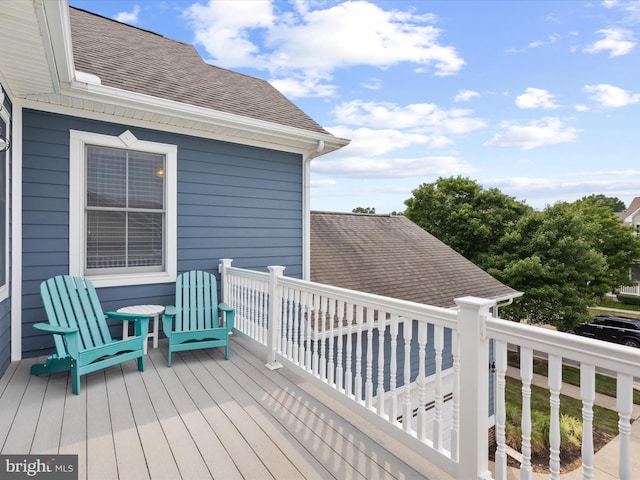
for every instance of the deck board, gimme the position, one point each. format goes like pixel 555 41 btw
pixel 204 417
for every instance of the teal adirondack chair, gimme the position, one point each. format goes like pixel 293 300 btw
pixel 197 320
pixel 80 331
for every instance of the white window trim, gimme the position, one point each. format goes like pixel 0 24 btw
pixel 77 244
pixel 4 288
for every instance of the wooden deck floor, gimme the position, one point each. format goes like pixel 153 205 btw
pixel 202 418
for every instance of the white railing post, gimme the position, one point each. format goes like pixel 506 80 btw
pixel 224 288
pixel 274 319
pixel 473 388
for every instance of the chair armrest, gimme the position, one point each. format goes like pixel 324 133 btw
pixel 229 316
pixel 54 329
pixel 170 310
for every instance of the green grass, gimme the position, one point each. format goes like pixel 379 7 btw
pixel 634 310
pixel 571 375
pixel 604 419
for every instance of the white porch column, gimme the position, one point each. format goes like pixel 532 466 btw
pixel 473 388
pixel 224 288
pixel 275 316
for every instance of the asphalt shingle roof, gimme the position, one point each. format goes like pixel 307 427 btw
pixel 392 256
pixel 140 61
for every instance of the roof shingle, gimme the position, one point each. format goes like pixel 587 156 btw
pixel 392 256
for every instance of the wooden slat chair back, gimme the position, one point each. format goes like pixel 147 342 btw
pixel 81 333
pixel 197 320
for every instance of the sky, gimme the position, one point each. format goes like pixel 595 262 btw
pixel 540 99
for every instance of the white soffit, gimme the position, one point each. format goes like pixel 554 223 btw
pixel 24 52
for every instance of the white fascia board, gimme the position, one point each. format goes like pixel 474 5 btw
pixel 244 126
pixel 58 29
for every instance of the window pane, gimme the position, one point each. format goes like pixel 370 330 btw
pixel 106 246
pixel 146 180
pixel 106 177
pixel 145 239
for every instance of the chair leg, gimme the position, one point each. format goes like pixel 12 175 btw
pixel 75 379
pixel 141 363
pixel 226 352
pixel 169 357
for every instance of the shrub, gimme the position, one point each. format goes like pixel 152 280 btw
pixel 570 431
pixel 628 299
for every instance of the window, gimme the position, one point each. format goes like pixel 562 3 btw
pixel 122 226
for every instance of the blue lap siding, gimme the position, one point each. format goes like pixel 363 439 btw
pixel 234 201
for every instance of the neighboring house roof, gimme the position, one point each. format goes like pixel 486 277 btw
pixel 137 60
pixel 392 256
pixel 629 213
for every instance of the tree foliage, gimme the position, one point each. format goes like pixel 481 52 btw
pixel 364 210
pixel 468 218
pixel 563 258
pixel 614 203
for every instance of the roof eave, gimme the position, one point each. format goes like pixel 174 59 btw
pixel 199 121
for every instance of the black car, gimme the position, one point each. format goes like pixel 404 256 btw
pixel 611 328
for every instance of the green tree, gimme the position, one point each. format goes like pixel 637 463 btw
pixel 563 259
pixel 468 218
pixel 614 203
pixel 364 210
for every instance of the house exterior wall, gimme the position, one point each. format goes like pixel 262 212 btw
pixel 234 201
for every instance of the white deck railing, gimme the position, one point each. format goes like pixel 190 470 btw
pixel 392 360
pixel 630 290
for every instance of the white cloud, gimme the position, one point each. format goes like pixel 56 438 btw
pixel 362 167
pixel 536 98
pixel 550 40
pixel 611 96
pixel 372 84
pixel 369 142
pixel 223 29
pixel 581 108
pixel 316 42
pixel 465 96
pixel 616 41
pixel 129 17
pixel 547 131
pixel 296 86
pixel 426 117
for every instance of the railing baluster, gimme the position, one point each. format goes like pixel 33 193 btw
pixel 358 383
pixel 624 403
pixel 437 421
pixel 380 394
pixel 308 331
pixel 588 394
pixel 339 339
pixel 348 377
pixel 322 317
pixel 407 409
pixel 526 374
pixel 316 325
pixel 455 423
pixel 295 334
pixel 500 349
pixel 330 341
pixel 421 429
pixel 393 371
pixel 555 384
pixel 368 386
